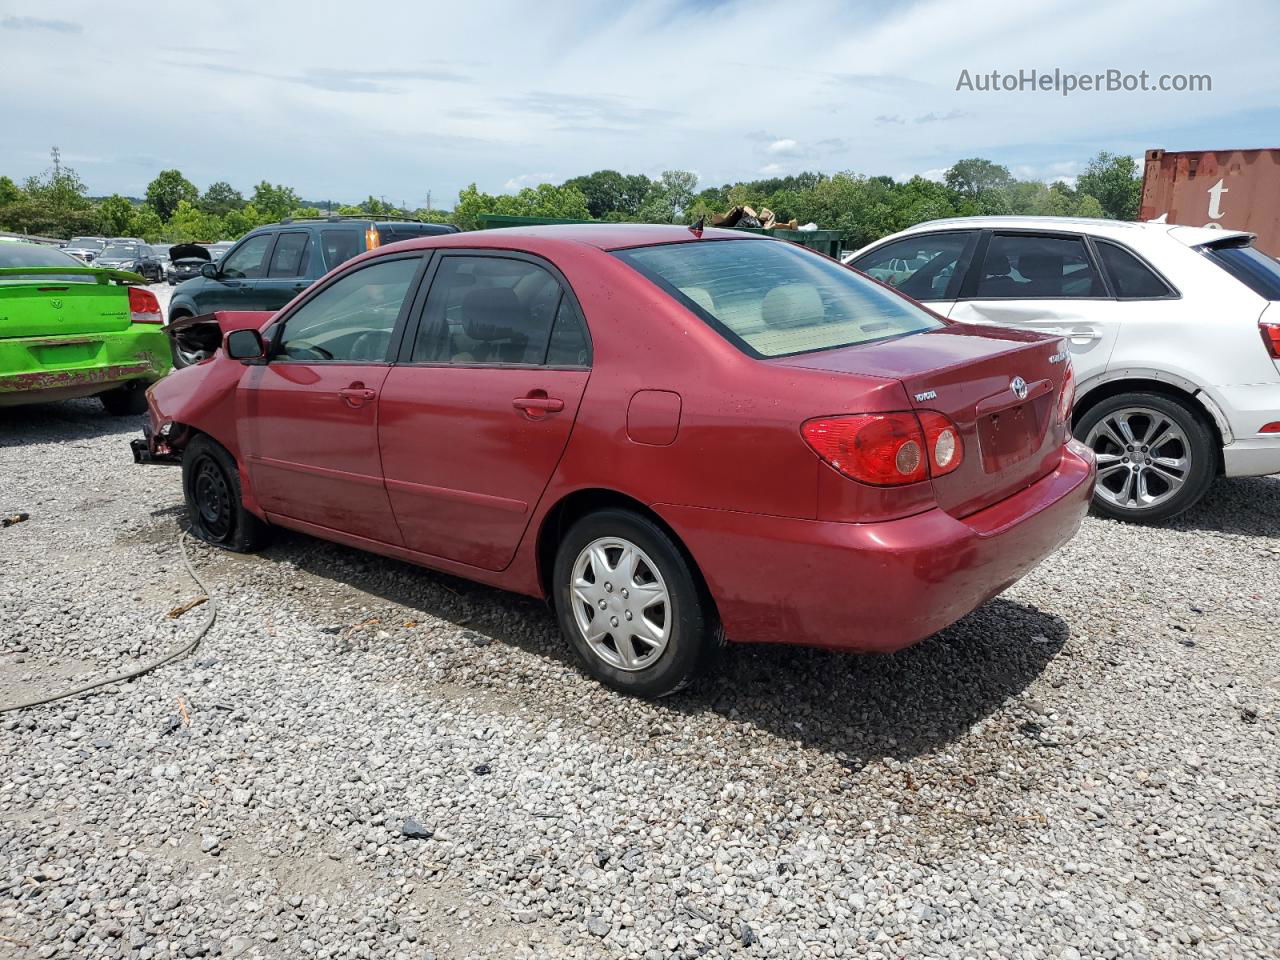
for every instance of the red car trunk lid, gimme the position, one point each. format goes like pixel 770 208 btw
pixel 999 386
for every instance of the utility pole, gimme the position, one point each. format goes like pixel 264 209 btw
pixel 57 163
pixel 428 199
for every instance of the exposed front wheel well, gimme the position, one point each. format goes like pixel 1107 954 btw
pixel 1140 385
pixel 582 502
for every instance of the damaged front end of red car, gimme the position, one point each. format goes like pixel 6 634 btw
pixel 185 396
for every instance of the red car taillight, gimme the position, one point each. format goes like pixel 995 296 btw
pixel 1271 337
pixel 886 449
pixel 1067 396
pixel 942 440
pixel 144 307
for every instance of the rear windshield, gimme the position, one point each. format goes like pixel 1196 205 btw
pixel 1249 265
pixel 82 243
pixel 25 255
pixel 772 299
pixel 127 253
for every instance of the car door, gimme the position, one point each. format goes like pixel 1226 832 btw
pixel 1047 282
pixel 308 417
pixel 285 272
pixel 242 266
pixel 475 416
pixel 928 267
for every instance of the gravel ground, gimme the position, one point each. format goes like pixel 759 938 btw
pixel 364 759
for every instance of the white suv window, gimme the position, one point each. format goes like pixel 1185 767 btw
pixel 1030 267
pixel 922 267
pixel 1131 279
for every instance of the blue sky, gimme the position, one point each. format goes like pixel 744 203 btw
pixel 341 100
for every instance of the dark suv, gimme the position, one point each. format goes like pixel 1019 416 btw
pixel 271 265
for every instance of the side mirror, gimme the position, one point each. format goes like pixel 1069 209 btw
pixel 209 270
pixel 245 345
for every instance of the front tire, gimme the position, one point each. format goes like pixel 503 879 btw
pixel 182 358
pixel 129 400
pixel 211 485
pixel 1156 456
pixel 631 605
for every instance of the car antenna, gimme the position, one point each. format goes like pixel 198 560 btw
pixel 696 227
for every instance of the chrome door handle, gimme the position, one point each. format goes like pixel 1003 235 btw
pixel 357 396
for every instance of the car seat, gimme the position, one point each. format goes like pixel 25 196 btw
pixel 1044 271
pixel 996 281
pixel 497 323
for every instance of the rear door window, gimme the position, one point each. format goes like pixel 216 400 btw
pixel 1131 279
pixel 925 267
pixel 1031 267
pixel 568 346
pixel 1249 265
pixel 492 311
pixel 339 246
pixel 289 258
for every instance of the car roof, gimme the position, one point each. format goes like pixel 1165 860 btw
pixel 1125 230
pixel 602 236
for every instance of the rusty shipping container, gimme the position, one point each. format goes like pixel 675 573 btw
pixel 1230 189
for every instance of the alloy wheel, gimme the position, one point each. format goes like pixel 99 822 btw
pixel 621 605
pixel 1144 457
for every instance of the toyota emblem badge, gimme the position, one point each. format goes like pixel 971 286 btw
pixel 1019 388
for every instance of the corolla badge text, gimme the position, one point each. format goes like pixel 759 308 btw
pixel 1058 357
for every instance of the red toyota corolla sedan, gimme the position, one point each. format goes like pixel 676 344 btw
pixel 674 436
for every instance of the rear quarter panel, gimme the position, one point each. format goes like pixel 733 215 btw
pixel 1207 338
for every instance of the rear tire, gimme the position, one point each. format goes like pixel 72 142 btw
pixel 631 605
pixel 211 485
pixel 129 400
pixel 1157 456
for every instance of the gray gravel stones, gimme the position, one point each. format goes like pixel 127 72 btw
pixel 1057 776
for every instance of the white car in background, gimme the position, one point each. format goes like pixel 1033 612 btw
pixel 1173 332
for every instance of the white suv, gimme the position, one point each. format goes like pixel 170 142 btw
pixel 1174 335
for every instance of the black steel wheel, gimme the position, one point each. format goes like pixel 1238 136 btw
pixel 211 484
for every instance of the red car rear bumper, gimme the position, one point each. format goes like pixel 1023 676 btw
pixel 878 587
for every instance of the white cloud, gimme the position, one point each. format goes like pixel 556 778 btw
pixel 287 96
pixel 515 184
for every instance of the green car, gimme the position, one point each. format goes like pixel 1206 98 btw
pixel 67 330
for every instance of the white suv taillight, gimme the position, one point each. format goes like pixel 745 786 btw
pixel 1271 337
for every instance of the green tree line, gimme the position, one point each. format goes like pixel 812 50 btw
pixel 862 208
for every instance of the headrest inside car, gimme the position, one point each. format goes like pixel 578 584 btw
pixel 492 313
pixel 701 296
pixel 997 265
pixel 792 305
